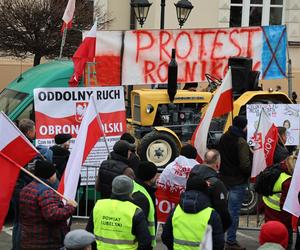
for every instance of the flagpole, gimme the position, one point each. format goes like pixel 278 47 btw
pixel 63 41
pixel 100 123
pixel 262 110
pixel 32 175
pixel 232 98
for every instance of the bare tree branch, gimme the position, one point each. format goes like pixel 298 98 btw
pixel 34 27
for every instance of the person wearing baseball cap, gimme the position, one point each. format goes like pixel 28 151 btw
pixel 117 222
pixel 116 164
pixel 43 215
pixel 144 194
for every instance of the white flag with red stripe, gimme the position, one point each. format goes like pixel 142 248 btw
pixel 85 53
pixel 265 139
pixel 220 104
pixel 15 152
pixel 68 15
pixel 90 132
pixel 291 203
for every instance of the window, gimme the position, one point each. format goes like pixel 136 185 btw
pixel 10 99
pixel 256 12
pixel 27 113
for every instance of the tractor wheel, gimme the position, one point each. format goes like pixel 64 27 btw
pixel 250 202
pixel 159 148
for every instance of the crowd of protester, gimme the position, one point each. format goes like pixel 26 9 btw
pixel 125 215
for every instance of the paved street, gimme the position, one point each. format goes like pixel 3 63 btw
pixel 247 237
pixel 247 234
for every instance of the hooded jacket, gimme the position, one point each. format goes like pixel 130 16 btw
pixel 216 190
pixel 235 153
pixel 109 169
pixel 192 202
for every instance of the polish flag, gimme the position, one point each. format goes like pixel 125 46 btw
pixel 291 203
pixel 85 53
pixel 68 15
pixel 266 138
pixel 89 133
pixel 15 151
pixel 220 104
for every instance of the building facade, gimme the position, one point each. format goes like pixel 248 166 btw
pixel 205 14
pixel 221 13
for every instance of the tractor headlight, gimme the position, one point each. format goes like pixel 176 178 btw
pixel 149 108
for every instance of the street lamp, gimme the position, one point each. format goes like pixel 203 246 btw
pixel 183 10
pixel 141 9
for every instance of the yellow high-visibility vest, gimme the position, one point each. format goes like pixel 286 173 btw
pixel 189 229
pixel 151 214
pixel 113 224
pixel 273 201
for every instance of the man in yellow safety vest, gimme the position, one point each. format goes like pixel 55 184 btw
pixel 274 203
pixel 117 223
pixel 186 225
pixel 144 194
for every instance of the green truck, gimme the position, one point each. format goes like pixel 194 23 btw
pixel 16 100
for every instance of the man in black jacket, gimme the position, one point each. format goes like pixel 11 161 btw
pixel 116 164
pixel 192 213
pixel 134 159
pixel 281 152
pixel 118 219
pixel 144 194
pixel 216 188
pixel 235 171
pixel 61 153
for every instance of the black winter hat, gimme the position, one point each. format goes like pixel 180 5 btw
pixel 127 137
pixel 240 121
pixel 146 170
pixel 44 169
pixel 121 147
pixel 196 182
pixel 189 151
pixel 62 138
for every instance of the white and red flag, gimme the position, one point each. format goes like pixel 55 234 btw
pixel 291 203
pixel 85 53
pixel 220 104
pixel 170 184
pixel 265 138
pixel 15 152
pixel 68 15
pixel 89 133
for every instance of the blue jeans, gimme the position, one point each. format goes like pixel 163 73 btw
pixel 235 199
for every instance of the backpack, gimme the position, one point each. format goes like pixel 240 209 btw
pixel 266 179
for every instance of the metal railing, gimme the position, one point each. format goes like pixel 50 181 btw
pixel 87 195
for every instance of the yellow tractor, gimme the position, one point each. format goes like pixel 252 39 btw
pixel 163 126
